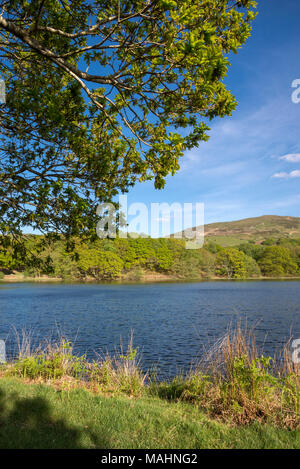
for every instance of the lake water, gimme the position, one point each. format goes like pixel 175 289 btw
pixel 171 322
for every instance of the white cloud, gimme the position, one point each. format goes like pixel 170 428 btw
pixel 291 175
pixel 291 157
pixel 280 175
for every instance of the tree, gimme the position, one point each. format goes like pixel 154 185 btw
pixel 252 268
pixel 233 263
pixel 253 250
pixel 276 261
pixel 100 265
pixel 230 262
pixel 102 94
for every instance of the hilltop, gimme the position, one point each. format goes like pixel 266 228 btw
pixel 257 229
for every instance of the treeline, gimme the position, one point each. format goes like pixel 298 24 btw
pixel 130 258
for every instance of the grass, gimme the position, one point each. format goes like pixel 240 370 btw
pixel 227 241
pixel 235 398
pixel 39 416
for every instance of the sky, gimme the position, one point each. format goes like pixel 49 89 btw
pixel 251 164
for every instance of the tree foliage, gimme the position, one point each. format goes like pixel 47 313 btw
pixel 130 258
pixel 102 94
pixel 276 261
pixel 99 264
pixel 231 263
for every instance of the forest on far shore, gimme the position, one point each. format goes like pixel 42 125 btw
pixel 131 258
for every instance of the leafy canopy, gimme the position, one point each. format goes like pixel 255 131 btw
pixel 277 261
pixel 102 94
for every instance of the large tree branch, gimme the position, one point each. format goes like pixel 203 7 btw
pixel 25 37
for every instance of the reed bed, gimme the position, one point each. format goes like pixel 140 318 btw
pixel 234 381
pixel 237 383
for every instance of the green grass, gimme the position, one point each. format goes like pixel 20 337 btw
pixel 234 398
pixel 38 416
pixel 226 241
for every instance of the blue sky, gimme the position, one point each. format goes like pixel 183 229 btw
pixel 251 164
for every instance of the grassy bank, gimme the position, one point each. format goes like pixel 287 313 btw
pixel 40 416
pixel 235 398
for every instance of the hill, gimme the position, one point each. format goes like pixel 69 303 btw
pixel 256 229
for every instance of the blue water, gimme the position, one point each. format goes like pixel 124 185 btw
pixel 171 322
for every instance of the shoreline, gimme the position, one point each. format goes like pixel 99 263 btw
pixel 147 278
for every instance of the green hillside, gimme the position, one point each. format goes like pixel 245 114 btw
pixel 256 229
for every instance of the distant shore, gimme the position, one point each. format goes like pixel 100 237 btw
pixel 145 277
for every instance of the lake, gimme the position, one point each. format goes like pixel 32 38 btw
pixel 171 322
